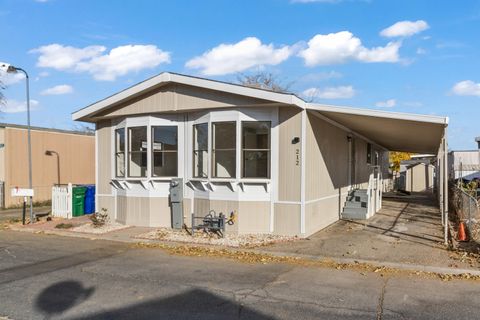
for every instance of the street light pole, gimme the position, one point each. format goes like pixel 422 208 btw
pixel 29 142
pixel 12 69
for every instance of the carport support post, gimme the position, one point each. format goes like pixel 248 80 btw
pixel 445 185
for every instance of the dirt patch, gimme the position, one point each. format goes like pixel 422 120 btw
pixel 229 240
pixel 90 228
pixel 254 257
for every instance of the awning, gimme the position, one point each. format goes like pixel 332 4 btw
pixel 392 130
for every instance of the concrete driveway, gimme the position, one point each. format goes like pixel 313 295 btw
pixel 408 229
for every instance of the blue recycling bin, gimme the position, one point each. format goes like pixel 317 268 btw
pixel 89 200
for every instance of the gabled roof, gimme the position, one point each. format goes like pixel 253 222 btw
pixel 169 77
pixel 391 130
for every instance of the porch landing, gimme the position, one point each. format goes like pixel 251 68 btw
pixel 408 229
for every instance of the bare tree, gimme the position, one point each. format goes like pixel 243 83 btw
pixel 83 127
pixel 263 80
pixel 2 97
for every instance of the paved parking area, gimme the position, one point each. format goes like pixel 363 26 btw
pixel 408 229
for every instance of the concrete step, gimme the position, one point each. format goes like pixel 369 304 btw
pixel 358 192
pixel 355 204
pixel 354 216
pixel 354 213
pixel 363 198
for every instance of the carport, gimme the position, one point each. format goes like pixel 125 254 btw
pixel 398 132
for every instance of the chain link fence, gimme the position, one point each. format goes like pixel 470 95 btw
pixel 465 208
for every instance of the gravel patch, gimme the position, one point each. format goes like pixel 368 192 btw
pixel 229 240
pixel 89 228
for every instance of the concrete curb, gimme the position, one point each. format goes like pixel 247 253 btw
pixel 375 263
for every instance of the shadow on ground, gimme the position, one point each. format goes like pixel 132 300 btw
pixel 408 229
pixel 193 304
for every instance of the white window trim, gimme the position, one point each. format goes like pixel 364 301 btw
pixel 148 122
pixel 237 115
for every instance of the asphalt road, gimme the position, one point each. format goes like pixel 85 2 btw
pixel 50 277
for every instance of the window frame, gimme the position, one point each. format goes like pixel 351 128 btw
pixel 152 151
pixel 129 152
pixel 117 152
pixel 269 150
pixel 213 149
pixel 195 151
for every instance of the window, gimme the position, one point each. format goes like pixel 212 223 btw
pixel 137 152
pixel 200 150
pixel 164 151
pixel 120 152
pixel 369 153
pixel 256 149
pixel 224 139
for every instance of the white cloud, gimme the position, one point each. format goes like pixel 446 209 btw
pixel 341 92
pixel 421 51
pixel 58 90
pixel 14 106
pixel 405 29
pixel 390 103
pixel 466 88
pixel 60 57
pixel 118 62
pixel 237 57
pixel 11 78
pixel 342 46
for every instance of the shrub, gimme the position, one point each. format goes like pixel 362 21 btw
pixel 99 219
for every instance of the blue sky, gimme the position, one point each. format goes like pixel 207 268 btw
pixel 406 56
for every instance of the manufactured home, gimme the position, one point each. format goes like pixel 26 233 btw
pixel 269 160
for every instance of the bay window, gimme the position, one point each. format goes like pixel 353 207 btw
pixel 256 149
pixel 120 152
pixel 137 152
pixel 224 149
pixel 200 150
pixel 164 151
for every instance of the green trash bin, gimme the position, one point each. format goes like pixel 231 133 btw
pixel 78 200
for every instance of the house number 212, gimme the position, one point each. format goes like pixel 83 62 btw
pixel 297 157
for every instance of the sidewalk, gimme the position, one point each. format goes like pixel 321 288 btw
pixel 406 234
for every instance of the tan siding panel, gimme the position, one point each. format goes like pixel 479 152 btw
pixel 287 219
pixel 122 209
pixel 107 202
pixel 326 159
pixel 175 97
pixel 289 167
pixel 253 217
pixel 160 213
pixel 76 156
pixel 138 211
pixel 104 140
pixel 2 155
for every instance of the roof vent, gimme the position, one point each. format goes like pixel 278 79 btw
pixel 477 140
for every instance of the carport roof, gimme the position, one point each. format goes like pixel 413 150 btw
pixel 392 130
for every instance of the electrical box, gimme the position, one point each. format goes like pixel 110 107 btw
pixel 176 190
pixel 176 202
